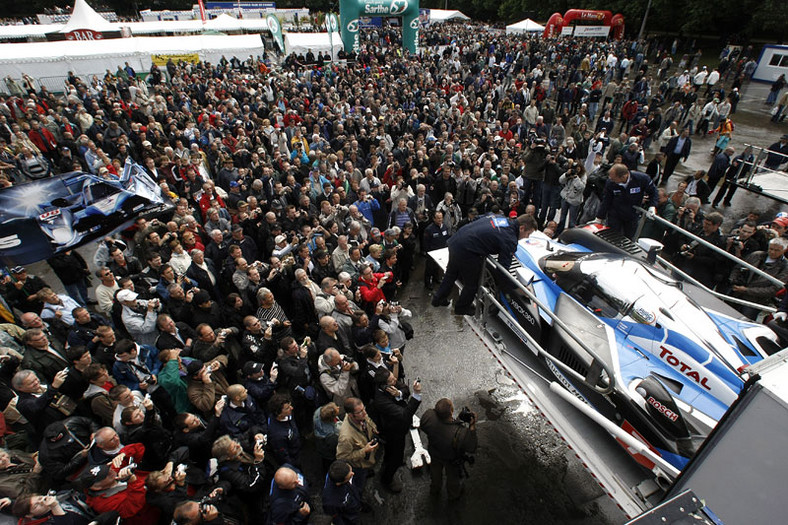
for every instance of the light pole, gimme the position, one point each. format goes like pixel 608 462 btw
pixel 643 24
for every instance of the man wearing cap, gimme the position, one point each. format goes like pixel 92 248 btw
pixel 21 290
pixel 122 492
pixel 207 383
pixel 259 385
pixel 468 249
pixel 247 245
pixel 623 190
pixel 139 316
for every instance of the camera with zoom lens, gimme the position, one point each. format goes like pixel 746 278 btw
pixel 465 415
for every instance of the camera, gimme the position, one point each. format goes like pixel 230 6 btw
pixel 465 415
pixel 348 359
pixel 147 379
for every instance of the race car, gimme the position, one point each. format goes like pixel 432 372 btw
pixel 44 217
pixel 662 358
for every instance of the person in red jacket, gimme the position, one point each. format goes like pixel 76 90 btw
pixel 370 286
pixel 122 492
pixel 43 139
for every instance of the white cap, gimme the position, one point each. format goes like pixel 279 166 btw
pixel 127 295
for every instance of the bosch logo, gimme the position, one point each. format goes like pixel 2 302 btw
pixel 353 26
pixel 662 409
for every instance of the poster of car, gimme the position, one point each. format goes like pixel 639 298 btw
pixel 41 218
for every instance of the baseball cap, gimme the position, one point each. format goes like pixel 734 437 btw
pixel 146 143
pixel 94 474
pixel 781 221
pixel 280 239
pixel 251 368
pixel 17 269
pixel 194 367
pixel 127 295
pixel 234 184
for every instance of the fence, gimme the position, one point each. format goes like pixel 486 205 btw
pixel 775 180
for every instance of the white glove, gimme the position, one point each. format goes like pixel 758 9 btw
pixel 652 211
pixel 780 316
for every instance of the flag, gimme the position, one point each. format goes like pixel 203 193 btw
pixel 202 10
pixel 276 31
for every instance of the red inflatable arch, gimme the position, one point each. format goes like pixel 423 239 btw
pixel 605 18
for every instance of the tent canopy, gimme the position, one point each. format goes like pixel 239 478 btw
pixel 84 17
pixel 442 15
pixel 56 59
pixel 302 42
pixel 524 26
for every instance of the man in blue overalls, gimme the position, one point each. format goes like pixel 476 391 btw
pixel 470 246
pixel 623 190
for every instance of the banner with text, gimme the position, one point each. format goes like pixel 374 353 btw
pixel 161 60
pixel 592 31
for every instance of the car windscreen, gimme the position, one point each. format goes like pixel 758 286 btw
pixel 98 191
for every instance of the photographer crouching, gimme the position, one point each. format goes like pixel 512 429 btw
pixel 451 443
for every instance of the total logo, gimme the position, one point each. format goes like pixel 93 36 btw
pixel 352 26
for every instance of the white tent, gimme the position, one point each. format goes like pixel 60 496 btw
pixel 442 15
pixel 524 26
pixel 56 59
pixel 302 42
pixel 84 17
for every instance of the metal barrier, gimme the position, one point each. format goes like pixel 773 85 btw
pixel 748 171
pixel 57 84
pixel 739 262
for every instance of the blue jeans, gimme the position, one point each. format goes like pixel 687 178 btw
pixel 78 291
pixel 568 210
pixel 551 200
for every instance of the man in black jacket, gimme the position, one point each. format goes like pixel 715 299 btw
pixel 678 148
pixel 395 407
pixel 174 335
pixel 72 270
pixel 64 450
pixel 449 442
pixel 35 401
pixel 701 262
pixel 198 434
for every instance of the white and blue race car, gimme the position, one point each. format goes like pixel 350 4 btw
pixel 44 217
pixel 668 358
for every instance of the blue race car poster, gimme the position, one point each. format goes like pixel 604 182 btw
pixel 41 218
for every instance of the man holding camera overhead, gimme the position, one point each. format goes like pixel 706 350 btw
pixel 450 444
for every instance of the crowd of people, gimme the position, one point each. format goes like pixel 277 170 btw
pixel 181 377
